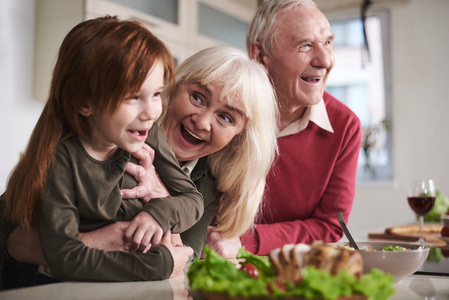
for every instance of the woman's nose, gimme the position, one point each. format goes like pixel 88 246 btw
pixel 202 121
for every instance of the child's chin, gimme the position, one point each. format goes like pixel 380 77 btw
pixel 134 148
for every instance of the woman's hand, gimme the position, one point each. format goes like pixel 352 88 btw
pixel 25 246
pixel 149 184
pixel 228 248
pixel 180 254
pixel 107 238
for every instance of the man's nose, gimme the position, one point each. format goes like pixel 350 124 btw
pixel 322 57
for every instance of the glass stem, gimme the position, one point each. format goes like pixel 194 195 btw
pixel 421 224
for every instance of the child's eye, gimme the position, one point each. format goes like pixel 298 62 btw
pixel 135 97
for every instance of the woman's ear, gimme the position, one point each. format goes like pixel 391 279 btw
pixel 85 110
pixel 256 52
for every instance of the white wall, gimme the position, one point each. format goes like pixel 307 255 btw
pixel 420 63
pixel 420 105
pixel 19 111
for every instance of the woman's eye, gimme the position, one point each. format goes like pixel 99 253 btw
pixel 227 118
pixel 196 98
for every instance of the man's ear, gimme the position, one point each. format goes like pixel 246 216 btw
pixel 256 52
pixel 85 110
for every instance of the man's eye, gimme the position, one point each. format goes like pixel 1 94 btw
pixel 305 47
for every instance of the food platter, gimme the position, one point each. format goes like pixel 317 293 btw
pixel 206 295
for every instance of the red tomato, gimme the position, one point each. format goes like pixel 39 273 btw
pixel 251 270
pixel 445 231
pixel 445 253
pixel 279 285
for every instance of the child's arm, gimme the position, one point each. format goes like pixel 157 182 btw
pixel 71 199
pixel 185 206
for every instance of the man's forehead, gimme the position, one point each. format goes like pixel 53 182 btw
pixel 303 22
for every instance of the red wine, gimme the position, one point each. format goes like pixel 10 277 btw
pixel 422 204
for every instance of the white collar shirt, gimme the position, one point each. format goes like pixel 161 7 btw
pixel 316 113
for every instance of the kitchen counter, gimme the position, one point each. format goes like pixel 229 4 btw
pixel 410 288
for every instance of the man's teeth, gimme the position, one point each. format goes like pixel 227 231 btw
pixel 192 134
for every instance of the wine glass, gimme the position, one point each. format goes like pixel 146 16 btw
pixel 421 198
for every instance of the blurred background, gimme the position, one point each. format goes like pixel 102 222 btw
pixel 394 80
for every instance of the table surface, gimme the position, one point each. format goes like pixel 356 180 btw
pixel 427 283
pixel 410 288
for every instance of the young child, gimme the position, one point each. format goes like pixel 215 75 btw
pixel 103 102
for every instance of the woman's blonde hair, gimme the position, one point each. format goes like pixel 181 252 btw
pixel 101 61
pixel 240 167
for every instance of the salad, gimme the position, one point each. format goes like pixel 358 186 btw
pixel 255 277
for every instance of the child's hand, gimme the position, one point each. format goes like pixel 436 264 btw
pixel 149 184
pixel 143 232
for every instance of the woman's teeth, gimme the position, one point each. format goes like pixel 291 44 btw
pixel 192 134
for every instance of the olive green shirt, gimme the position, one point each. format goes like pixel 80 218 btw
pixel 83 194
pixel 196 236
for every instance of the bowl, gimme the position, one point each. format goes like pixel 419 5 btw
pixel 399 264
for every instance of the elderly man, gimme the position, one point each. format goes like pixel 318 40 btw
pixel 319 137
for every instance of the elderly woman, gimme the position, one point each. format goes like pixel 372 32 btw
pixel 221 125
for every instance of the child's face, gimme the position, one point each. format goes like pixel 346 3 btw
pixel 198 123
pixel 129 124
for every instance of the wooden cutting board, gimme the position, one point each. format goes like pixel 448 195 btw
pixel 432 238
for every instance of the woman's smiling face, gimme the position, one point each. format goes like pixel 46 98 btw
pixel 198 123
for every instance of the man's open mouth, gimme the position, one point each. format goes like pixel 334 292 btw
pixel 190 137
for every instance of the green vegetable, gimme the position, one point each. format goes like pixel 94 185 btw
pixel 216 274
pixel 435 255
pixel 394 248
pixel 439 209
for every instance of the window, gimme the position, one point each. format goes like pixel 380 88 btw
pixel 359 79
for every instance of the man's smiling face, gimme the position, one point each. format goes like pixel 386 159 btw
pixel 302 56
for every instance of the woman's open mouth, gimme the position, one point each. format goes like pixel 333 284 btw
pixel 190 137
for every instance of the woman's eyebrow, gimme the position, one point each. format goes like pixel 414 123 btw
pixel 235 109
pixel 203 87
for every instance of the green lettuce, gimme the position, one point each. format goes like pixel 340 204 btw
pixel 216 274
pixel 439 209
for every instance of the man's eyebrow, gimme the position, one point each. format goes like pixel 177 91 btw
pixel 330 37
pixel 306 40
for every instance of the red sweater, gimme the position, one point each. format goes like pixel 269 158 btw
pixel 312 179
